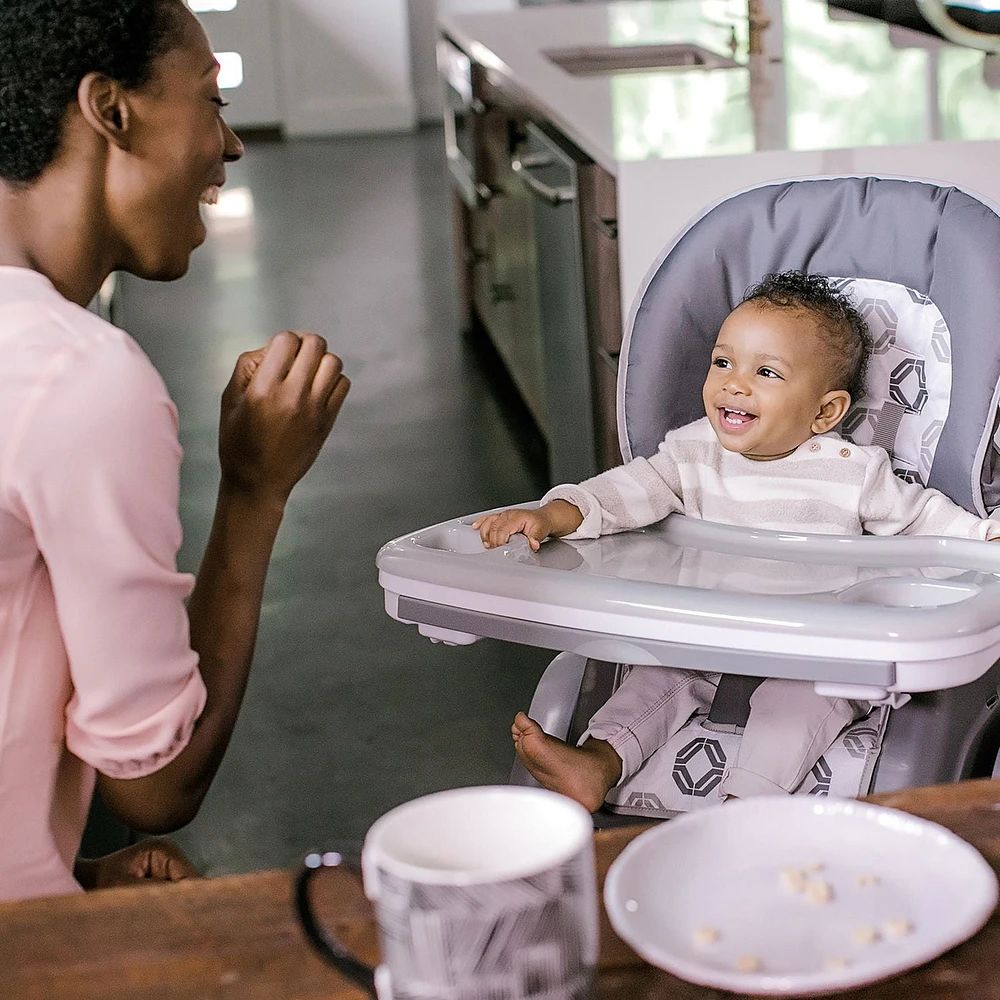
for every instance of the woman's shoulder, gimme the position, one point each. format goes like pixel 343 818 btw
pixel 73 348
pixel 70 376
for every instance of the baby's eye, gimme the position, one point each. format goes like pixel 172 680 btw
pixel 721 363
pixel 768 373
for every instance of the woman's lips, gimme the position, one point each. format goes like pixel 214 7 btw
pixel 210 195
pixel 735 421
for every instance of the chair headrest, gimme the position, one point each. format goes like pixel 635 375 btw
pixel 908 388
pixel 937 247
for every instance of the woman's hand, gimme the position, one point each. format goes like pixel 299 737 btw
pixel 277 411
pixel 557 517
pixel 153 860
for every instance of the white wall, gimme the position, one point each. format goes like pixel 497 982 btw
pixel 337 65
pixel 345 66
pixel 250 30
pixel 423 34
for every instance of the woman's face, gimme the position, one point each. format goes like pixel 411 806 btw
pixel 175 158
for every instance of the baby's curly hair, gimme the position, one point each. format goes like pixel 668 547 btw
pixel 48 46
pixel 846 339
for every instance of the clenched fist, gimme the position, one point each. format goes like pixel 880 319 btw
pixel 277 411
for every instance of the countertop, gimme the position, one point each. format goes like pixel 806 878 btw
pixel 831 95
pixel 829 81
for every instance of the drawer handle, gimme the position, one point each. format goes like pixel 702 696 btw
pixel 521 165
pixel 608 228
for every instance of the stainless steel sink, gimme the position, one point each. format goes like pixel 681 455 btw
pixel 598 59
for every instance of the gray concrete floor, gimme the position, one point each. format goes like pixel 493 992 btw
pixel 348 712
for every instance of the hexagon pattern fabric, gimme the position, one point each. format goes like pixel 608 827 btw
pixel 686 773
pixel 909 375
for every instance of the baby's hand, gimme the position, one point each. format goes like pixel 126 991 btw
pixel 496 529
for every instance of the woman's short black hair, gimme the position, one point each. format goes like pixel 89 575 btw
pixel 846 337
pixel 48 46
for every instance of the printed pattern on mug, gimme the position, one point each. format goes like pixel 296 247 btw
pixel 523 939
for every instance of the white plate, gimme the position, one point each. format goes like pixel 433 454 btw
pixel 722 869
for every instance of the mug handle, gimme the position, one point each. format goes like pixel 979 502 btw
pixel 329 947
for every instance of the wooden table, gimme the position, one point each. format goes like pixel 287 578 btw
pixel 236 938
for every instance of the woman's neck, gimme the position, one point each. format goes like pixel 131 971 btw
pixel 55 226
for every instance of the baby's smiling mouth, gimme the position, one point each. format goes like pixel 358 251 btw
pixel 736 419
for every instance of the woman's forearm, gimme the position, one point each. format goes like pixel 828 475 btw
pixel 223 611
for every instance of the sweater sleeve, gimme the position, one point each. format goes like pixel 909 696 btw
pixel 633 495
pixel 890 506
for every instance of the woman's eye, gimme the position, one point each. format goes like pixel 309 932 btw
pixel 768 373
pixel 220 102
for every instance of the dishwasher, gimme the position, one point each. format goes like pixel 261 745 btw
pixel 549 172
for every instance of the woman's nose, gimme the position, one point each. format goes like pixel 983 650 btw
pixel 233 148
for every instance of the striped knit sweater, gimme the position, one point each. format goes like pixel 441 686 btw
pixel 827 485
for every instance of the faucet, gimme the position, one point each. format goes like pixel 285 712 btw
pixel 937 14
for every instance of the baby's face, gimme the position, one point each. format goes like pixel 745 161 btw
pixel 767 383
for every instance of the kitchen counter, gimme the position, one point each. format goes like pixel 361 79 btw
pixel 832 95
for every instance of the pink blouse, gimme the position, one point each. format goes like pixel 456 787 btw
pixel 96 667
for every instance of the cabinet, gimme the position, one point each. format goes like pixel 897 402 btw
pixel 504 283
pixel 538 269
pixel 599 224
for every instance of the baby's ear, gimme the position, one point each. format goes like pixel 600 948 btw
pixel 832 408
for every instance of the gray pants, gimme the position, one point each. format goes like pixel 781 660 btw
pixel 789 729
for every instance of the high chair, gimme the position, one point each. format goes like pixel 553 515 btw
pixel 910 624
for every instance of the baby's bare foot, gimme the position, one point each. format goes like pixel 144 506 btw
pixel 584 773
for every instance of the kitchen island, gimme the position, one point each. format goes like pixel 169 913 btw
pixel 823 94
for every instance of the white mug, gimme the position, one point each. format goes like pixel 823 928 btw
pixel 484 893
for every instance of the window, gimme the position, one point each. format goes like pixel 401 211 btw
pixel 209 6
pixel 231 70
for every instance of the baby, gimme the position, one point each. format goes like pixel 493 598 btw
pixel 786 364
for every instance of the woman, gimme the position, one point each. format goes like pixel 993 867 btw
pixel 110 136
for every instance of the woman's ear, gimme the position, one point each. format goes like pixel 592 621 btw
pixel 832 408
pixel 104 105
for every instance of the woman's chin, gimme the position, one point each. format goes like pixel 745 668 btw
pixel 166 268
pixel 172 262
